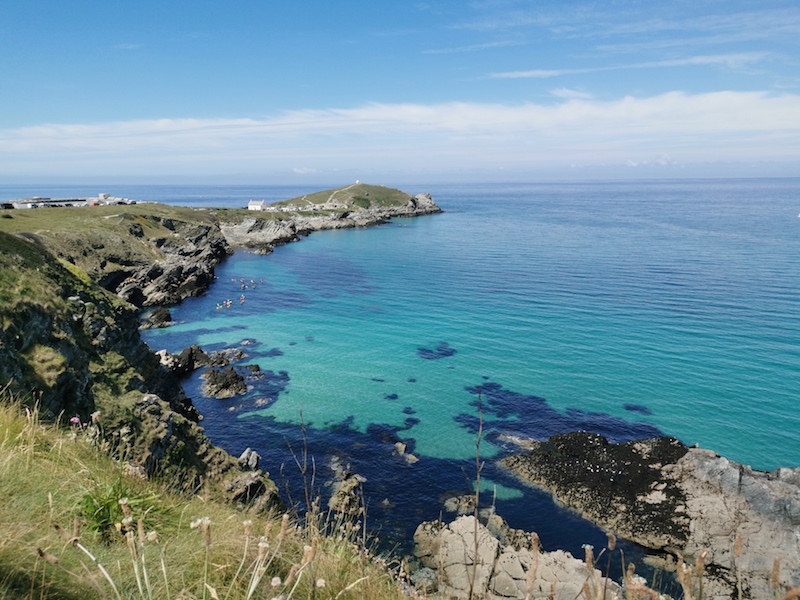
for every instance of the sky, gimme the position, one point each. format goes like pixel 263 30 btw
pixel 260 91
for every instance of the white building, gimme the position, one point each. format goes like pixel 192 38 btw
pixel 257 205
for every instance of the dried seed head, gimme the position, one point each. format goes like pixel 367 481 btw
pixel 320 583
pixel 276 581
pixel 63 533
pixel 612 541
pixel 207 531
pixel 76 527
pixel 262 549
pixel 701 562
pixel 248 527
pixel 53 560
pixel 152 536
pixel 589 555
pixel 126 524
pixel 140 531
pixel 292 573
pixel 738 545
pixel 126 508
pixel 776 572
pixel 284 526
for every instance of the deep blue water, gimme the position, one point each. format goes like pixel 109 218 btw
pixel 627 308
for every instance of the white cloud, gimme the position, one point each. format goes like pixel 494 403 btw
pixel 570 94
pixel 730 61
pixel 676 127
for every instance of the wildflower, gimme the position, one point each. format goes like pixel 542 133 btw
pixel 75 421
pixel 320 583
pixel 276 581
pixel 152 536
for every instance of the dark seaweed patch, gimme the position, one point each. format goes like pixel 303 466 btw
pixel 409 411
pixel 391 396
pixel 638 408
pixel 273 353
pixel 442 350
pixel 412 380
pixel 510 412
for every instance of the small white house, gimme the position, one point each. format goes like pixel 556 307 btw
pixel 257 205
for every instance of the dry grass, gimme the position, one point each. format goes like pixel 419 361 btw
pixel 73 525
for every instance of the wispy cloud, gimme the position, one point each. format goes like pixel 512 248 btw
pixel 700 127
pixel 474 47
pixel 730 61
pixel 570 94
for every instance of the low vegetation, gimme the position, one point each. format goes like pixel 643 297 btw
pixel 74 524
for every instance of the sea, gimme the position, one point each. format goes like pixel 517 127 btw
pixel 627 308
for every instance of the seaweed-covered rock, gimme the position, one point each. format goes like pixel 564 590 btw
pixel 618 485
pixel 679 500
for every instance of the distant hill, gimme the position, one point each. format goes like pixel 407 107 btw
pixel 351 197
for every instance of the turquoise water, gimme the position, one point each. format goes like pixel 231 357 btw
pixel 630 309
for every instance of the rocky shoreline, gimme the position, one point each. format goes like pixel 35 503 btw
pixel 82 352
pixel 679 502
pixel 187 268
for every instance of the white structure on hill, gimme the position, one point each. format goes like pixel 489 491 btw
pixel 257 205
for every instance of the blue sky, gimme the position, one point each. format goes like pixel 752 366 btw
pixel 260 91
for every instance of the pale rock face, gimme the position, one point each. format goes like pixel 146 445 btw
pixel 462 559
pixel 727 500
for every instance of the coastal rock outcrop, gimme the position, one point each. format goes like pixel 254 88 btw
pixel 223 383
pixel 679 501
pixel 466 559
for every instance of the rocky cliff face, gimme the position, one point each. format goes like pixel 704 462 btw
pixel 75 350
pixel 679 501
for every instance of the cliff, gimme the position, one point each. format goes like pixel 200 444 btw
pixel 71 282
pixel 156 255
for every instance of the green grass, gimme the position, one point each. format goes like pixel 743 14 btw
pixel 51 477
pixel 359 195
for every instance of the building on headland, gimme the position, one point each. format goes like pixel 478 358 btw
pixel 99 200
pixel 257 205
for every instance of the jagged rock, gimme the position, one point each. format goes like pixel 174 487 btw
pixel 466 557
pixel 249 460
pixel 222 358
pixel 345 498
pixel 223 383
pixel 674 499
pixel 461 505
pixel 159 317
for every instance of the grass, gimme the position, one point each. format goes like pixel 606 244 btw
pixel 73 524
pixel 360 195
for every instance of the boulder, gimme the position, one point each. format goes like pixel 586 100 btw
pixel 223 383
pixel 469 560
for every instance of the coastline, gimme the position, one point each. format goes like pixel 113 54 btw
pixel 258 244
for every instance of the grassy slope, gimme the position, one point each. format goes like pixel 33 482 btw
pixel 360 195
pixel 51 477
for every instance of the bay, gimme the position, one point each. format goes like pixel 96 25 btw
pixel 628 308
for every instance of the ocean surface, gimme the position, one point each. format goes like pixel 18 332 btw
pixel 627 308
